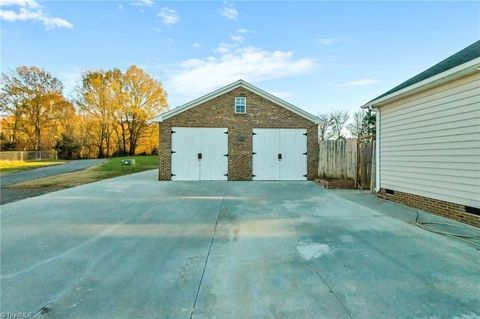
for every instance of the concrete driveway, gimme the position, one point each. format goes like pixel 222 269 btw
pixel 133 247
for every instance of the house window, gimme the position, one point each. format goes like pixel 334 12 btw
pixel 240 105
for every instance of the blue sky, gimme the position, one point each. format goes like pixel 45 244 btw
pixel 317 55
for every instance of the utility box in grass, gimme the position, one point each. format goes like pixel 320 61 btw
pixel 128 162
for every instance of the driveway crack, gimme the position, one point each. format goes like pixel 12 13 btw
pixel 209 250
pixel 330 288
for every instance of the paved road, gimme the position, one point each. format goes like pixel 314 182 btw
pixel 10 195
pixel 133 247
pixel 49 171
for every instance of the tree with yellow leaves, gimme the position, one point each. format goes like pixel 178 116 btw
pixel 112 113
pixel 32 98
pixel 95 98
pixel 121 103
pixel 144 98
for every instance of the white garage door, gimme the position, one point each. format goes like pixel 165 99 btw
pixel 279 154
pixel 199 153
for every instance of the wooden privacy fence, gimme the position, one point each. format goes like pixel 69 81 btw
pixel 346 158
pixel 364 164
pixel 27 155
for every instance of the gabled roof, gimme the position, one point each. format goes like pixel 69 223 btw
pixel 468 55
pixel 240 83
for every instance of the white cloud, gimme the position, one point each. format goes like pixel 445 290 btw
pixel 224 48
pixel 230 13
pixel 325 41
pixel 237 38
pixel 169 16
pixel 30 10
pixel 196 45
pixel 200 76
pixel 20 3
pixel 243 30
pixel 120 7
pixel 361 82
pixel 142 3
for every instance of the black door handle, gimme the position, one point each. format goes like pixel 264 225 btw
pixel 199 156
pixel 279 156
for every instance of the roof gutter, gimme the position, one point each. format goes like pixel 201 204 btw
pixel 466 68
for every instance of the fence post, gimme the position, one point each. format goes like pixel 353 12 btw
pixel 358 164
pixel 373 170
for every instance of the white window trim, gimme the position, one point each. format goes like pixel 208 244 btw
pixel 235 105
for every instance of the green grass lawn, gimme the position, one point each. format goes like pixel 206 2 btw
pixel 7 167
pixel 114 166
pixel 111 168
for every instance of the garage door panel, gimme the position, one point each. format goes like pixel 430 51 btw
pixel 289 144
pixel 265 149
pixel 214 163
pixel 188 143
pixel 185 146
pixel 293 148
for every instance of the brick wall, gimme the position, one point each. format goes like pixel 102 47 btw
pixel 219 112
pixel 438 207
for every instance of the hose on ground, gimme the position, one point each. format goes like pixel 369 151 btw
pixel 462 237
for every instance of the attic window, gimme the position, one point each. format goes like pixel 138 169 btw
pixel 240 105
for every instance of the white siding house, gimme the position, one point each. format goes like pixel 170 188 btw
pixel 428 133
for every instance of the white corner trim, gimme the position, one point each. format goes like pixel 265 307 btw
pixel 459 70
pixel 377 151
pixel 240 83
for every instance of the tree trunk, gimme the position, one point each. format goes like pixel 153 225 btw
pixel 100 150
pixel 101 154
pixel 37 137
pixel 124 139
pixel 107 142
pixel 133 145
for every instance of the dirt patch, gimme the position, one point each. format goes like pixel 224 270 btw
pixel 340 183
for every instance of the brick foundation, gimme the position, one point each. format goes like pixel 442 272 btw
pixel 446 209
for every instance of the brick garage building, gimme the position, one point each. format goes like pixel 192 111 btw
pixel 428 139
pixel 240 133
